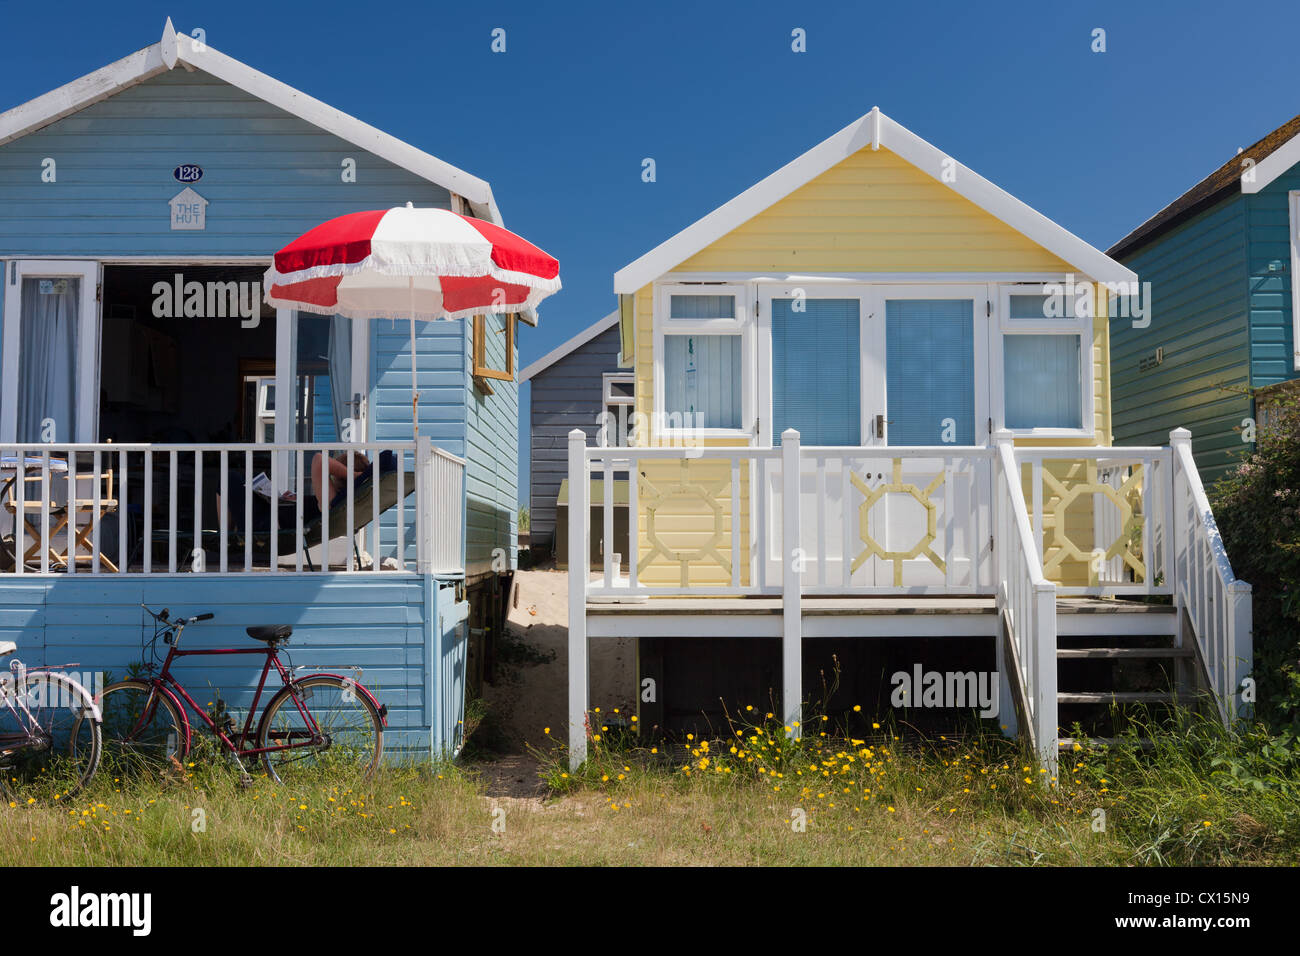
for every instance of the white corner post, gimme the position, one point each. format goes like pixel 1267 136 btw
pixel 424 507
pixel 579 515
pixel 1008 722
pixel 791 599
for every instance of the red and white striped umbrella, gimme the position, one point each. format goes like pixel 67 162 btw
pixel 408 263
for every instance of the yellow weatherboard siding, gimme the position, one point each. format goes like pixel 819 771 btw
pixel 872 213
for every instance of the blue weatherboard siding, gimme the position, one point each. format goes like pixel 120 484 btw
pixel 1199 317
pixel 492 474
pixel 404 630
pixel 565 396
pixel 458 418
pixel 267 175
pixel 930 371
pixel 815 371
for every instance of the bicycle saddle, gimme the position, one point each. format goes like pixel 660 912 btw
pixel 7 648
pixel 271 632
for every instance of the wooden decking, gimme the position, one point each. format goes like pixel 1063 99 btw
pixel 859 616
pixel 858 605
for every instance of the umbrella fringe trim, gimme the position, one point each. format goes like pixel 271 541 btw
pixel 465 268
pixel 405 315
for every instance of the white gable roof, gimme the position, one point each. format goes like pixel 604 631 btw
pixel 575 343
pixel 874 130
pixel 176 48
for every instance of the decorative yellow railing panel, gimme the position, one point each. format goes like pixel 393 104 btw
pixel 896 485
pixel 707 495
pixel 1062 493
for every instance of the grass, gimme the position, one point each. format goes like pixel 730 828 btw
pixel 1202 797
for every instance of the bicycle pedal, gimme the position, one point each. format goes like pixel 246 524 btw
pixel 245 781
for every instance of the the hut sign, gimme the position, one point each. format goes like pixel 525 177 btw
pixel 188 210
pixel 187 173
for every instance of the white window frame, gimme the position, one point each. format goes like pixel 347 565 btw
pixel 742 324
pixel 88 272
pixel 1293 198
pixel 1081 326
pixel 608 398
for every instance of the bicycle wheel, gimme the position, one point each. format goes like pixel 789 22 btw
pixel 350 736
pixel 52 741
pixel 143 729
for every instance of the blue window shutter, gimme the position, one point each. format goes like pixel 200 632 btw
pixel 930 370
pixel 816 369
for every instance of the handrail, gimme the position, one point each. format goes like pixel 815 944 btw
pixel 1026 604
pixel 1212 601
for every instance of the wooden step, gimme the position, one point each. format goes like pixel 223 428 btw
pixel 1096 653
pixel 1142 743
pixel 1117 697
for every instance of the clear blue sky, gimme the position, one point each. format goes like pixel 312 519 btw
pixel 711 90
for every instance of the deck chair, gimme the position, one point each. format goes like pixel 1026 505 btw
pixel 286 538
pixel 83 506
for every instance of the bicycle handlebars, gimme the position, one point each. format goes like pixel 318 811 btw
pixel 161 617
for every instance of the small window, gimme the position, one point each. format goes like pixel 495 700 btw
pixel 702 381
pixel 616 421
pixel 1043 387
pixel 483 328
pixel 702 307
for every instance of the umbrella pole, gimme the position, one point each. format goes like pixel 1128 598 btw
pixel 415 395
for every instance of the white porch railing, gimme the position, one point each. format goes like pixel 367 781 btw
pixel 1023 525
pixel 1026 604
pixel 1215 604
pixel 192 509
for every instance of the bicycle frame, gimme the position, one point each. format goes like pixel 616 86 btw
pixel 166 683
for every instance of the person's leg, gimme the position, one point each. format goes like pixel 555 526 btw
pixel 338 475
pixel 318 481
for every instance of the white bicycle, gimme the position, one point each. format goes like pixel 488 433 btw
pixel 51 737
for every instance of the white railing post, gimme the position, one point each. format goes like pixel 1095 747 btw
pixel 791 598
pixel 1242 648
pixel 1180 533
pixel 1002 521
pixel 424 505
pixel 1047 709
pixel 579 561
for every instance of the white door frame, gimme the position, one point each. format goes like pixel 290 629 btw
pixel 88 272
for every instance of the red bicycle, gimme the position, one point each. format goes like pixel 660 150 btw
pixel 320 721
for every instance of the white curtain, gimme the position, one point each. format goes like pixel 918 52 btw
pixel 47 358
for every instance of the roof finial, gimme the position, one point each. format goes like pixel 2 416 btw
pixel 875 128
pixel 169 46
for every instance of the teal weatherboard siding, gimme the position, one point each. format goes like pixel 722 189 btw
pixel 1199 319
pixel 1269 279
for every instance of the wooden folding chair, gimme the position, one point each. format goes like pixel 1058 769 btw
pixel 62 512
